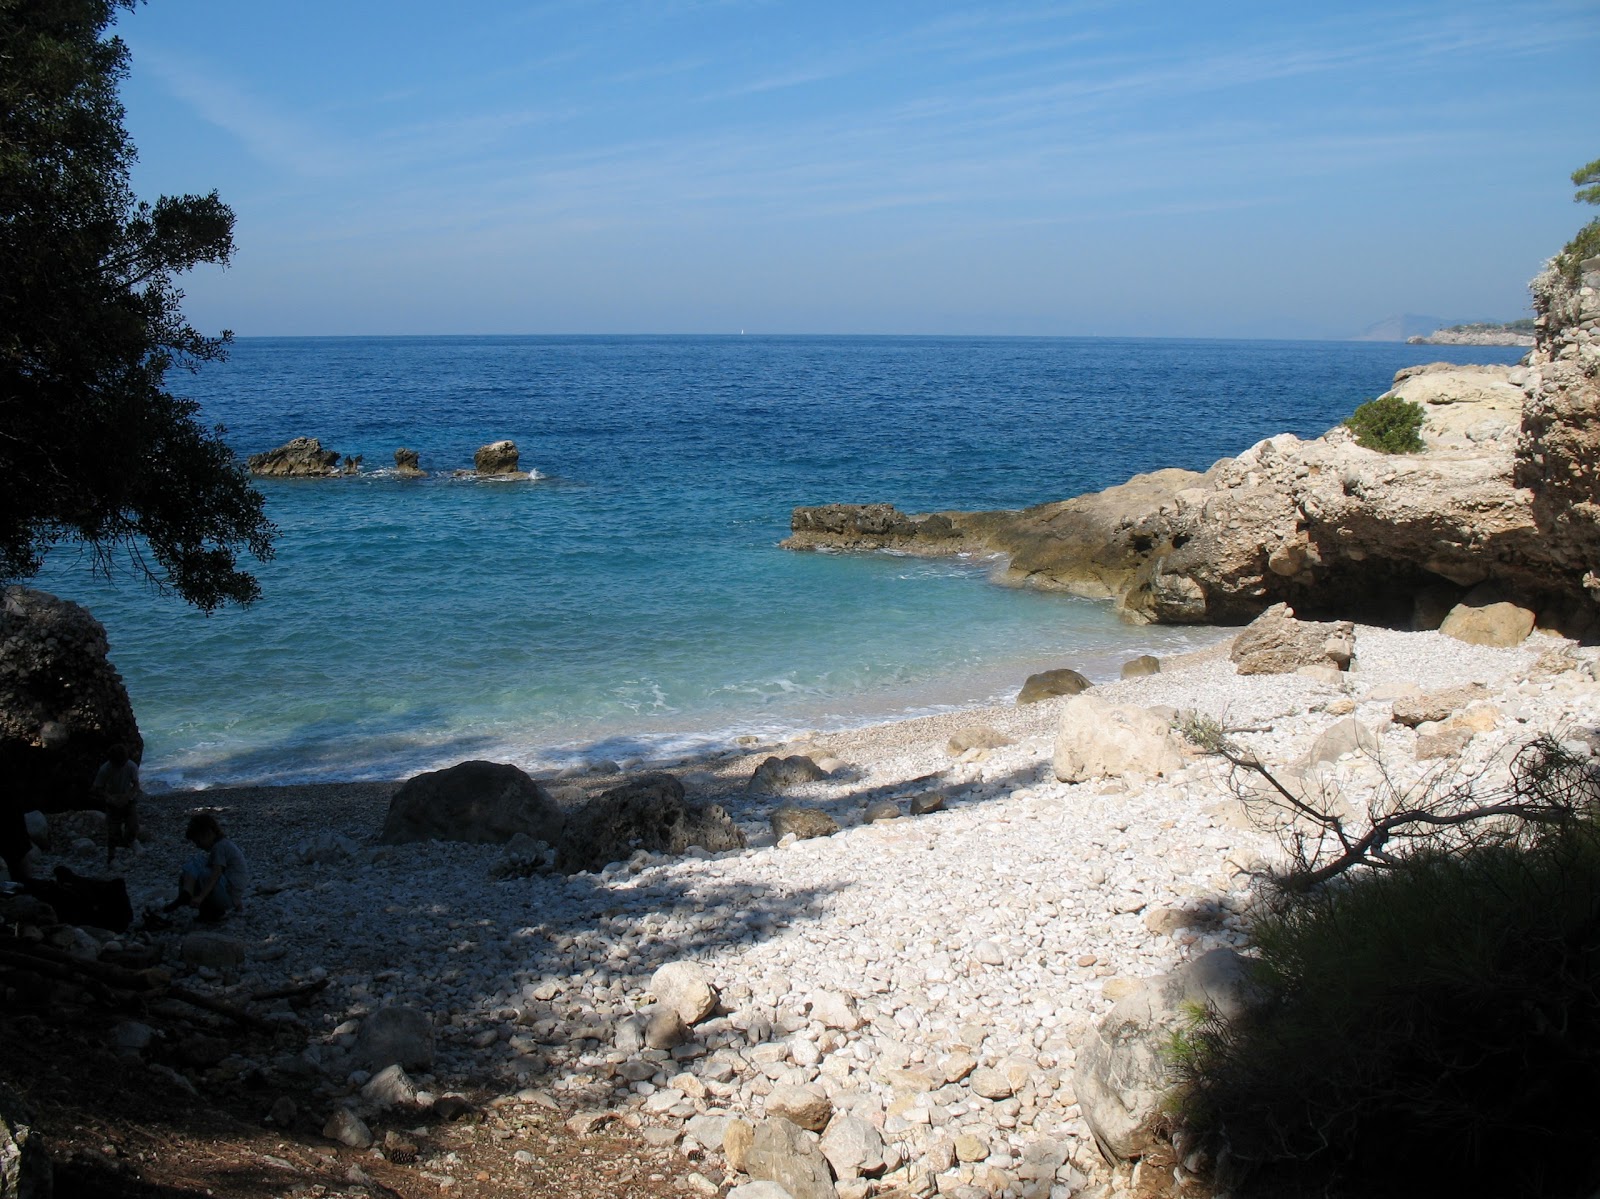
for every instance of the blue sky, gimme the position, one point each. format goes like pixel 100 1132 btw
pixel 1230 169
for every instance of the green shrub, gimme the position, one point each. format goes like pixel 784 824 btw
pixel 1433 1029
pixel 1389 425
pixel 1585 244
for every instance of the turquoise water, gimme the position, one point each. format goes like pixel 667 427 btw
pixel 632 601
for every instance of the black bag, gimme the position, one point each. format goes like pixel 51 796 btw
pixel 98 902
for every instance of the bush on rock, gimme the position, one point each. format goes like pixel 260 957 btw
pixel 1389 425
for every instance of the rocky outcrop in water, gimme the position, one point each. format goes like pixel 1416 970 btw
pixel 496 458
pixel 62 703
pixel 1506 492
pixel 302 458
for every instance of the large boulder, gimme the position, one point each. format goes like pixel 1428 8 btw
pixel 648 813
pixel 1501 623
pixel 408 464
pixel 302 458
pixel 1048 684
pixel 477 802
pixel 1123 1075
pixel 777 774
pixel 1434 706
pixel 25 1170
pixel 783 1153
pixel 1097 739
pixel 1276 642
pixel 62 703
pixel 395 1035
pixel 496 458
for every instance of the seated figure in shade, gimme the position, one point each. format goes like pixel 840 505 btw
pixel 215 879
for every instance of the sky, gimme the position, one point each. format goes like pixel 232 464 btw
pixel 1130 168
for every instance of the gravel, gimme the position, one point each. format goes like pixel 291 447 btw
pixel 930 975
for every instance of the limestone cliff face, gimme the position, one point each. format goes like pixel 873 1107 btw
pixel 1503 498
pixel 1558 454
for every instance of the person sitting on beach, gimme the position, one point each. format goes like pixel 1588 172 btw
pixel 215 879
pixel 116 785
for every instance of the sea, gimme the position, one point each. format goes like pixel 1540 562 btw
pixel 629 601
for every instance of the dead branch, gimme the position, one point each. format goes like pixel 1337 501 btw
pixel 295 991
pixel 105 981
pixel 1549 787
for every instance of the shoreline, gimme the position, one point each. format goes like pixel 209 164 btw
pixel 998 930
pixel 635 748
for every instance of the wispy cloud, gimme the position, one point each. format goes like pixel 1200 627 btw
pixel 279 140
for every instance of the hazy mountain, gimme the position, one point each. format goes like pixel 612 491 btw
pixel 1398 328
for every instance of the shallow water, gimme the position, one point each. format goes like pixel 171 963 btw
pixel 631 601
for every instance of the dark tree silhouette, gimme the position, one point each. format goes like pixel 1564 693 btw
pixel 93 446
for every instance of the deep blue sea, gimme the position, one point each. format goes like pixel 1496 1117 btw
pixel 631 601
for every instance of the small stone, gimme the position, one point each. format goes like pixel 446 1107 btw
pixel 976 737
pixel 836 1011
pixel 393 1035
pixel 988 953
pixel 783 1153
pixel 881 809
pixel 132 1037
pixel 665 1029
pixel 957 1066
pixel 800 1106
pixel 390 1087
pixel 347 1128
pixel 928 801
pixel 737 1138
pixel 1144 664
pixel 852 1146
pixel 991 1084
pixel 969 1148
pixel 582 1124
pixel 708 1130
pixel 212 950
pixel 684 987
pixel 802 823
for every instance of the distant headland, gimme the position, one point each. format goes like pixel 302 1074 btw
pixel 1480 333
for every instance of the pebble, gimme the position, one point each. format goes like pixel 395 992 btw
pixel 927 977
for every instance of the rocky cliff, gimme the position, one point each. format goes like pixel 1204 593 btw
pixel 1502 502
pixel 1558 454
pixel 62 703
